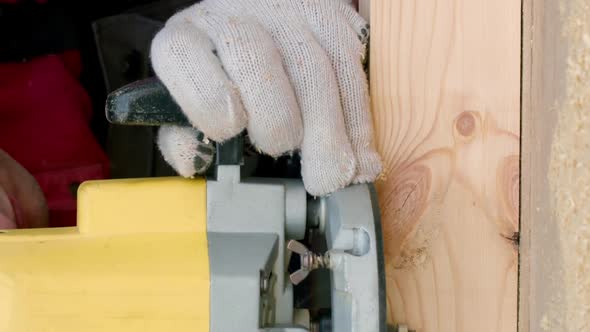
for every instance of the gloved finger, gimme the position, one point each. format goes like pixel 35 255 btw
pixel 183 148
pixel 254 64
pixel 355 20
pixel 345 50
pixel 184 60
pixel 327 160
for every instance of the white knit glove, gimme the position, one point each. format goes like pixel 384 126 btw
pixel 290 71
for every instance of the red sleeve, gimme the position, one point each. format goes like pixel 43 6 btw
pixel 44 115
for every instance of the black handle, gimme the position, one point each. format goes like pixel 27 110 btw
pixel 148 103
pixel 144 103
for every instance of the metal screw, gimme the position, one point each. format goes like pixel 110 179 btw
pixel 309 261
pixel 265 282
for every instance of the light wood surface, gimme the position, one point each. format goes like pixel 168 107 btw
pixel 445 88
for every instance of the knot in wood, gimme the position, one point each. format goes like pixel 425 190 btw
pixel 465 124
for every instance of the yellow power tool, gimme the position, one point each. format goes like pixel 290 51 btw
pixel 206 254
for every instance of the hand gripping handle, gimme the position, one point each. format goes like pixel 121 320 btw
pixel 148 103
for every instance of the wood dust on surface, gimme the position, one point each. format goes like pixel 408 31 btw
pixel 569 177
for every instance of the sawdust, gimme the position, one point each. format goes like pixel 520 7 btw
pixel 545 325
pixel 416 253
pixel 412 258
pixel 569 172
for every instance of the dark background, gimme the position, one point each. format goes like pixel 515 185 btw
pixel 29 29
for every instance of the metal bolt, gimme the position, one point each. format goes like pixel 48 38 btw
pixel 309 261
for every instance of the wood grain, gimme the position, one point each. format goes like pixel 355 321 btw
pixel 445 88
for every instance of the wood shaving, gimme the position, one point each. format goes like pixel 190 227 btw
pixel 569 172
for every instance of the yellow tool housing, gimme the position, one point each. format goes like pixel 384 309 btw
pixel 137 261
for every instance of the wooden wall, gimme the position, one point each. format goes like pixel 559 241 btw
pixel 445 88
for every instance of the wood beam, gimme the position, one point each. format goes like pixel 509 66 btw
pixel 543 84
pixel 445 88
pixel 555 214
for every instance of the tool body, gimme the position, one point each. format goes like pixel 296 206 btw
pixel 204 254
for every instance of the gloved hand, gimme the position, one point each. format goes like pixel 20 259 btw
pixel 290 71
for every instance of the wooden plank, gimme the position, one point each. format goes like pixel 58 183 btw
pixel 543 85
pixel 554 282
pixel 445 86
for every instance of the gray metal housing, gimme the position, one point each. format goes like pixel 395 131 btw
pixel 246 222
pixel 249 223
